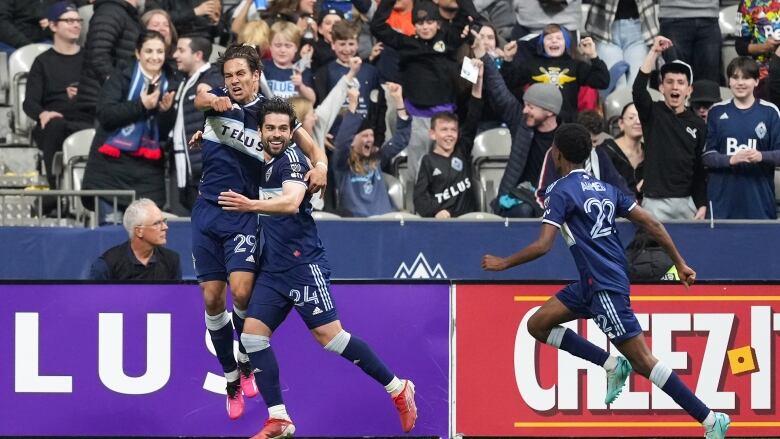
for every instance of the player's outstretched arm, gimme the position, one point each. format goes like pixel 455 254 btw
pixel 285 204
pixel 318 175
pixel 205 100
pixel 651 225
pixel 535 250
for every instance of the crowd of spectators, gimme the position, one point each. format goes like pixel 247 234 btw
pixel 343 64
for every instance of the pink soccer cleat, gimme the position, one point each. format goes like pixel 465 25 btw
pixel 407 409
pixel 248 384
pixel 235 401
pixel 275 428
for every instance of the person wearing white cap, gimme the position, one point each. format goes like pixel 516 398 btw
pixel 675 182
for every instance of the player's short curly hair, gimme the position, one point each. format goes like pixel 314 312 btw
pixel 278 105
pixel 573 141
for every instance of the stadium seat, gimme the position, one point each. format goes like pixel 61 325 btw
pixel 725 93
pixel 729 21
pixel 216 49
pixel 584 18
pixel 395 190
pixel 318 215
pixel 399 216
pixel 4 82
pixel 489 158
pixel 75 150
pixel 480 216
pixel 399 167
pixel 18 68
pixel 85 12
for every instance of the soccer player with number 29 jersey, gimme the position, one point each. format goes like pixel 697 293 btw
pixel 584 210
pixel 294 274
pixel 224 244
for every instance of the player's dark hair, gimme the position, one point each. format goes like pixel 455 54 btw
pixel 744 64
pixel 443 116
pixel 237 51
pixel 573 141
pixel 592 120
pixel 278 105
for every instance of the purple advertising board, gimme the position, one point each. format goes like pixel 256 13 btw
pixel 134 360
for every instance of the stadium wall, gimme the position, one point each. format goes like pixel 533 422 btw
pixel 411 249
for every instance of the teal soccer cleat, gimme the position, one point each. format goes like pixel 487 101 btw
pixel 617 379
pixel 718 430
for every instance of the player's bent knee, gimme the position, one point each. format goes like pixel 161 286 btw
pixel 255 343
pixel 338 343
pixel 538 329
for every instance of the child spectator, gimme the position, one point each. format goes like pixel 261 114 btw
pixel 358 162
pixel 323 51
pixel 345 45
pixel 548 60
pixel 444 187
pixel 742 149
pixel 284 77
pixel 427 66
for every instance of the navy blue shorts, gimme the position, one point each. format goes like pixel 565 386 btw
pixel 611 311
pixel 223 242
pixel 305 287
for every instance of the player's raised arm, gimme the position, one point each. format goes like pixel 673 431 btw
pixel 285 204
pixel 535 250
pixel 206 100
pixel 651 225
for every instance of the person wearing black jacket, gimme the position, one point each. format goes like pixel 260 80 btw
pixel 427 69
pixel 444 187
pixel 675 185
pixel 52 86
pixel 192 55
pixel 113 32
pixel 196 18
pixel 22 22
pixel 140 97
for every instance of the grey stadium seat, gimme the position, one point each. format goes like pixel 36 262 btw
pixel 395 190
pixel 18 68
pixel 489 158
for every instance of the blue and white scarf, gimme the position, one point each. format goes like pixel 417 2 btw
pixel 141 138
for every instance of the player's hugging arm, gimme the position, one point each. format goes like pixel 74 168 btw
pixel 287 203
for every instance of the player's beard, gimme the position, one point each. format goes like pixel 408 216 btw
pixel 267 145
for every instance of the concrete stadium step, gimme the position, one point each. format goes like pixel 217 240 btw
pixel 19 159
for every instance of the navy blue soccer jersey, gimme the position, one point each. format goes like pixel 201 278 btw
pixel 585 208
pixel 232 151
pixel 290 240
pixel 744 191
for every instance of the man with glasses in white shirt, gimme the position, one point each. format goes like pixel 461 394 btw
pixel 142 257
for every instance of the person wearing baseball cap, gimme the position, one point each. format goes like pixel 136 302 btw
pixel 52 85
pixel 705 93
pixel 675 184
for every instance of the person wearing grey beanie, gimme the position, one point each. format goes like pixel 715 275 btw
pixel 544 96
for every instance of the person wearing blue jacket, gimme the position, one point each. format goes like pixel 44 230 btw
pixel 358 162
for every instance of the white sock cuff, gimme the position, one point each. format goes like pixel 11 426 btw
pixel 556 336
pixel 231 376
pixel 660 373
pixel 217 322
pixel 255 343
pixel 241 313
pixel 339 342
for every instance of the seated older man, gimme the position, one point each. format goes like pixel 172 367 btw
pixel 143 256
